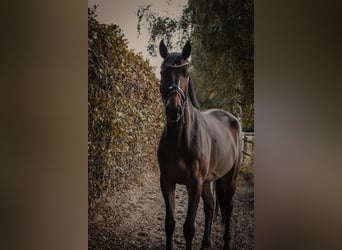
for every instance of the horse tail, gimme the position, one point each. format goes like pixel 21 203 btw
pixel 216 203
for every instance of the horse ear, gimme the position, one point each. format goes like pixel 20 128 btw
pixel 186 50
pixel 163 50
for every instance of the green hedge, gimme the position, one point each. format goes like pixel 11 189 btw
pixel 125 115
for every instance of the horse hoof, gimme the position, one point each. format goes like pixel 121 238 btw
pixel 205 245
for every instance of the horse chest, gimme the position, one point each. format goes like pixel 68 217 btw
pixel 177 167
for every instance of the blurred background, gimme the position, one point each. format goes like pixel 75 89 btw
pixel 125 113
pixel 44 146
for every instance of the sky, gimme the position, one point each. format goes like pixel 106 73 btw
pixel 123 13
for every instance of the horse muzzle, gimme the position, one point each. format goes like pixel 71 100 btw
pixel 175 101
pixel 174 114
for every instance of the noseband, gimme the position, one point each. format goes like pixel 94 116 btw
pixel 174 89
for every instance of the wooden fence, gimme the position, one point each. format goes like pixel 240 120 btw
pixel 247 138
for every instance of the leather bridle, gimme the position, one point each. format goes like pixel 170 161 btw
pixel 174 89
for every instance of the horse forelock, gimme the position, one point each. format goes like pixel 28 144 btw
pixel 173 58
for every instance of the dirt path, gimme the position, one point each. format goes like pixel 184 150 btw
pixel 135 219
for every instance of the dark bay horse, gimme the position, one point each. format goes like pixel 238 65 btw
pixel 197 148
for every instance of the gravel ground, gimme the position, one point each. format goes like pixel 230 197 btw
pixel 134 219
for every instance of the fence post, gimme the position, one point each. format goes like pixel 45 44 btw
pixel 244 147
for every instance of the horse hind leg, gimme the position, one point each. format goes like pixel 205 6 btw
pixel 225 192
pixel 228 213
pixel 208 202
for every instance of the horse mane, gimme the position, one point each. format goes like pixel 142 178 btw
pixel 192 95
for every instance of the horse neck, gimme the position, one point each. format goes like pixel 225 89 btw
pixel 181 132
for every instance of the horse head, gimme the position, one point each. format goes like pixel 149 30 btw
pixel 174 81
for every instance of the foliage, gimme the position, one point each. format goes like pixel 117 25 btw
pixel 124 110
pixel 221 34
pixel 163 27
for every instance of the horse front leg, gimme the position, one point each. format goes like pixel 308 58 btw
pixel 208 202
pixel 194 192
pixel 168 191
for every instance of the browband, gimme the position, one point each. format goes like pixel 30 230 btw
pixel 177 66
